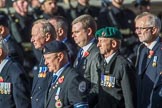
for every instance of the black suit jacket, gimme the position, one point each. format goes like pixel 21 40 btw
pixel 20 92
pixel 39 87
pixel 73 90
pixel 123 94
pixel 88 67
pixel 16 51
pixel 72 50
pixel 149 78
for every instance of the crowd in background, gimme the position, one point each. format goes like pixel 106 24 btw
pixel 100 46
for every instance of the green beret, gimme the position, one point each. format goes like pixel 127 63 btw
pixel 108 32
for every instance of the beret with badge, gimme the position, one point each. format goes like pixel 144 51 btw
pixel 54 47
pixel 108 32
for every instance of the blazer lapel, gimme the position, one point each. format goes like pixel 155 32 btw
pixel 150 59
pixel 4 73
pixel 47 92
pixel 53 91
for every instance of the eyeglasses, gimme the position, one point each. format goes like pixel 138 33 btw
pixel 143 28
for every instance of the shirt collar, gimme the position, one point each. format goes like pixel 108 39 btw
pixel 2 64
pixel 109 58
pixel 152 44
pixel 85 48
pixel 64 40
pixel 7 38
pixel 58 73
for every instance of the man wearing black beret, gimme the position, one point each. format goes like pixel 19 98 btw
pixel 66 88
pixel 117 87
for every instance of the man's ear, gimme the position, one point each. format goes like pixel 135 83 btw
pixel 89 31
pixel 114 43
pixel 154 30
pixel 60 56
pixel 1 51
pixel 48 36
pixel 1 29
pixel 60 32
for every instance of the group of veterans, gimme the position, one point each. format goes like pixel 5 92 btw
pixel 82 65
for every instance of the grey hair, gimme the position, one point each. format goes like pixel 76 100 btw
pixel 46 27
pixel 152 20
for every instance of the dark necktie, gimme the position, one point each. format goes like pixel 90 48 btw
pixel 52 83
pixel 144 55
pixel 80 54
pixel 53 79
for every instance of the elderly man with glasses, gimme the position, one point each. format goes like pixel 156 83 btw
pixel 149 61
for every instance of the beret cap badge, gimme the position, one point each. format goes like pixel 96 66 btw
pixel 109 32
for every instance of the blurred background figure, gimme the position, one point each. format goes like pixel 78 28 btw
pixel 61 26
pixel 2 3
pixel 22 20
pixel 50 8
pixel 35 8
pixel 15 50
pixel 143 5
pixel 105 2
pixel 117 15
pixel 20 27
pixel 83 7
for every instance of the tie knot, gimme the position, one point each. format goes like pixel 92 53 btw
pixel 80 53
pixel 54 79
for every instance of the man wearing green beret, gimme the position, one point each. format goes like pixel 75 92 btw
pixel 117 87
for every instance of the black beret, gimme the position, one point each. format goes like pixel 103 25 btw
pixel 54 47
pixel 3 19
pixel 109 32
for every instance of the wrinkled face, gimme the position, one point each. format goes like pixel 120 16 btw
pixel 52 62
pixel 38 38
pixel 104 45
pixel 143 31
pixel 50 7
pixel 79 34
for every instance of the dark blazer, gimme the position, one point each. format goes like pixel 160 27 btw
pixel 20 96
pixel 149 78
pixel 72 50
pixel 87 67
pixel 39 87
pixel 16 51
pixel 73 90
pixel 123 94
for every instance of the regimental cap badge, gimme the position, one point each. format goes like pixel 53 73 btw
pixel 109 32
pixel 103 34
